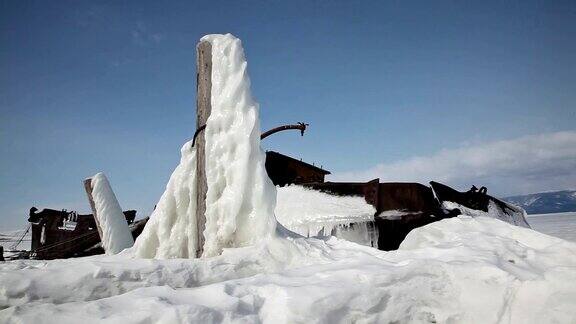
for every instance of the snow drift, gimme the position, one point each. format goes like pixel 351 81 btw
pixel 458 270
pixel 116 235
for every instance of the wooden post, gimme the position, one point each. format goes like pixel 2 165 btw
pixel 203 109
pixel 88 188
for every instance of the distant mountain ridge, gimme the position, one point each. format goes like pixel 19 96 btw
pixel 546 202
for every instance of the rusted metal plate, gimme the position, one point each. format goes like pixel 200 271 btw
pixel 60 243
pixel 284 170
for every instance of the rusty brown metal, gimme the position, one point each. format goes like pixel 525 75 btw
pixel 298 126
pixel 284 170
pixel 59 242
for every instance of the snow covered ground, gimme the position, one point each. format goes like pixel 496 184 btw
pixel 562 225
pixel 460 270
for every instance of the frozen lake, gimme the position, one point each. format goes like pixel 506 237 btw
pixel 562 225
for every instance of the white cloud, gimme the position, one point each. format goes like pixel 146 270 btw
pixel 522 165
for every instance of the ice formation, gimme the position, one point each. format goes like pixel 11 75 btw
pixel 116 235
pixel 240 199
pixel 171 231
pixel 314 213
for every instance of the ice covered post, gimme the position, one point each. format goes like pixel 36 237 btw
pixel 219 196
pixel 240 198
pixel 203 109
pixel 110 220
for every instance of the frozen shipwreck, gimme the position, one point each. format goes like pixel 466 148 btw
pixel 58 234
pixel 399 208
pixel 396 208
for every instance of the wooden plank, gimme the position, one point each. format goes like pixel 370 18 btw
pixel 88 188
pixel 203 109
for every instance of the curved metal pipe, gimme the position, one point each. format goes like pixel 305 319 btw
pixel 298 126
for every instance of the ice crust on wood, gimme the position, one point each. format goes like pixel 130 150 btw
pixel 240 199
pixel 116 235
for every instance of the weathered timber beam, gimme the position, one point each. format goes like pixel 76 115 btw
pixel 88 188
pixel 203 109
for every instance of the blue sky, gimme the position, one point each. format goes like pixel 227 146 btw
pixel 110 86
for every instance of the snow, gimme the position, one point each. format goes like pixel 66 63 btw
pixel 458 270
pixel 311 212
pixel 297 205
pixel 395 214
pixel 113 228
pixel 514 215
pixel 562 225
pixel 240 199
pixel 171 231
